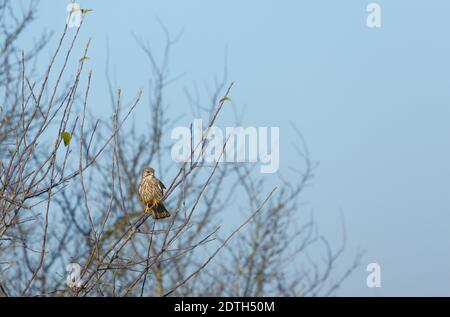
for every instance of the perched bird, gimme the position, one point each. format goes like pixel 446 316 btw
pixel 151 190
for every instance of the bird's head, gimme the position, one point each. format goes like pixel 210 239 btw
pixel 148 172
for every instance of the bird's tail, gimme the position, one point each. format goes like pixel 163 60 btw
pixel 160 212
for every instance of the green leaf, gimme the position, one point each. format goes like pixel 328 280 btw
pixel 225 99
pixel 66 136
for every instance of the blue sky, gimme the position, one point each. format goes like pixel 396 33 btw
pixel 373 105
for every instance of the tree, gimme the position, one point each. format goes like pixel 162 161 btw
pixel 68 194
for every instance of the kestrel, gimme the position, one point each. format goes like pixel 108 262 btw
pixel 151 191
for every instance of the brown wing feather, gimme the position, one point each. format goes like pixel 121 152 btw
pixel 161 185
